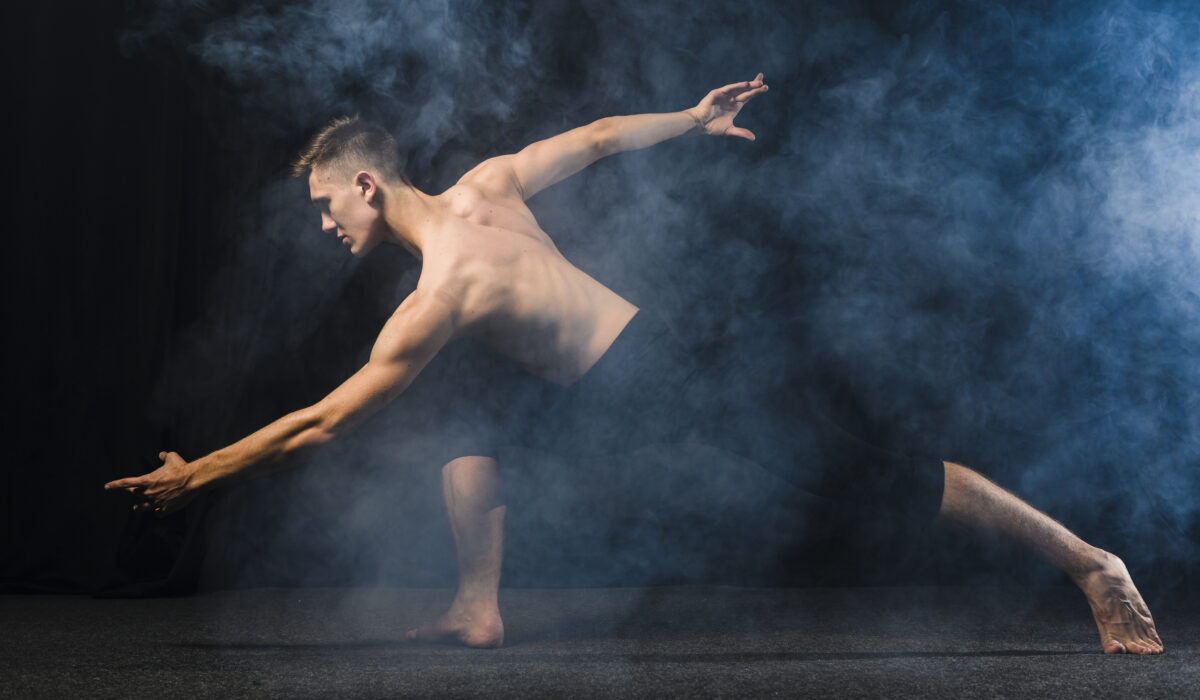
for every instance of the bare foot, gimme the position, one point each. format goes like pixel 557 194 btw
pixel 477 626
pixel 1122 617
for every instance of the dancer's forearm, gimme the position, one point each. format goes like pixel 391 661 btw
pixel 281 444
pixel 635 131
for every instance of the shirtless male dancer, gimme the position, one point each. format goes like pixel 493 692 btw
pixel 491 273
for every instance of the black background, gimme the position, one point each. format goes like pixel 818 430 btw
pixel 140 174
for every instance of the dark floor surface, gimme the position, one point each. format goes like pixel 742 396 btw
pixel 646 642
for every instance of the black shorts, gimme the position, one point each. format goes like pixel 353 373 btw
pixel 648 388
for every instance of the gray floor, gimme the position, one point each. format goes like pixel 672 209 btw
pixel 651 642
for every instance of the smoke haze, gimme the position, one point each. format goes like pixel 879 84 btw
pixel 984 212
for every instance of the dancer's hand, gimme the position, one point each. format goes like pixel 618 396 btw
pixel 716 111
pixel 162 491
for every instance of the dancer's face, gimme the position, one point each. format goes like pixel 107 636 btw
pixel 349 207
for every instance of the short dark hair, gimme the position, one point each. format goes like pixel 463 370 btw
pixel 352 144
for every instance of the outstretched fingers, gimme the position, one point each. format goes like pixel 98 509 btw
pixel 136 487
pixel 751 93
pixel 732 88
pixel 131 484
pixel 741 85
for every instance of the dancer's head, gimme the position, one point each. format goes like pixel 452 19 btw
pixel 351 164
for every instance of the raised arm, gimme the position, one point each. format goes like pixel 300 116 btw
pixel 409 340
pixel 544 163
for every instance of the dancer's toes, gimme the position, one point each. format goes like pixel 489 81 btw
pixel 1134 647
pixel 480 630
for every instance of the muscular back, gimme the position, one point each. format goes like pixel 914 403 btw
pixel 511 287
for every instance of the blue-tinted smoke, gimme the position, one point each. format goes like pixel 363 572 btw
pixel 983 212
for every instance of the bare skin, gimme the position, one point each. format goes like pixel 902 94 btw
pixel 471 488
pixel 490 272
pixel 973 503
pixel 970 502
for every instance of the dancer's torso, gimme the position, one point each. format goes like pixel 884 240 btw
pixel 514 291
